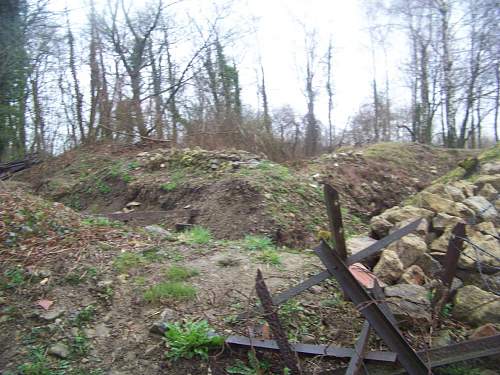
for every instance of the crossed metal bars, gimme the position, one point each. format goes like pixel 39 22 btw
pixel 372 306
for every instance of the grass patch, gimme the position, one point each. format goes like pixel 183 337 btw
pixel 127 260
pixel 175 290
pixel 190 339
pixel 180 273
pixel 175 181
pixel 269 256
pixel 13 278
pixel 85 315
pixel 254 367
pixel 100 221
pixel 197 235
pixel 256 243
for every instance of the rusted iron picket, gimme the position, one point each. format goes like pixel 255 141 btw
pixel 271 316
pixel 371 311
pixel 335 223
pixel 455 246
pixel 356 362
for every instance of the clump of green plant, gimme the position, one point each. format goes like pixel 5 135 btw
pixel 254 367
pixel 103 187
pixel 180 273
pixel 127 260
pixel 100 221
pixel 191 339
pixel 13 278
pixel 38 363
pixel 81 344
pixel 175 180
pixel 197 235
pixel 85 315
pixel 269 256
pixel 254 243
pixel 175 290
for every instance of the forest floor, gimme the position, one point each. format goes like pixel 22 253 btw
pixel 80 292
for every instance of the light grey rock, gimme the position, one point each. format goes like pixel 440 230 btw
pixel 409 249
pixel 493 180
pixel 412 293
pixel 489 192
pixel 389 268
pixel 481 207
pixel 443 221
pixel 358 243
pixel 437 204
pixel 491 168
pixel 156 230
pixel 429 265
pixel 50 315
pixel 59 350
pixel 476 306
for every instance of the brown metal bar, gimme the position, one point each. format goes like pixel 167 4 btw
pixel 271 316
pixel 310 349
pixel 332 202
pixel 359 351
pixel 371 311
pixel 455 247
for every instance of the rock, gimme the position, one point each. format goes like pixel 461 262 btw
pixel 470 254
pixel 443 221
pixel 476 306
pixel 429 265
pixel 481 207
pixel 485 330
pixel 100 330
pixel 456 284
pixel 408 249
pixel 443 338
pixel 486 227
pixel 133 204
pixel 389 268
pixel 409 303
pixel 104 285
pixel 422 229
pixel 493 180
pixel 308 339
pixel 441 243
pixel 413 275
pixel 59 350
pixel 398 214
pixel 466 187
pixel 50 315
pixel 157 231
pixel 380 226
pixel 439 204
pixel 412 293
pixel 489 192
pixel 491 168
pixel 358 243
pixel 167 316
pixel 448 191
pixel 316 289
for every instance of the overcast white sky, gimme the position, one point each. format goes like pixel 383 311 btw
pixel 279 39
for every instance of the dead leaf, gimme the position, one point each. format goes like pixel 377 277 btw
pixel 45 303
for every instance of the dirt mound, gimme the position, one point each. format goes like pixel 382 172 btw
pixel 235 193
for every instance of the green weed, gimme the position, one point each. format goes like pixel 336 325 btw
pixel 191 339
pixel 38 364
pixel 13 278
pixel 458 369
pixel 269 256
pixel 197 235
pixel 170 290
pixel 180 273
pixel 175 180
pixel 127 260
pixel 100 221
pixel 85 315
pixel 81 344
pixel 253 242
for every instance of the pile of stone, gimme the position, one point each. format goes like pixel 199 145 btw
pixel 411 266
pixel 204 159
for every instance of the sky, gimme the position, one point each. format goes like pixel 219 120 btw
pixel 275 35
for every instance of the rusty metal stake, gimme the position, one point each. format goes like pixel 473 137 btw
pixel 271 316
pixel 371 311
pixel 356 361
pixel 455 246
pixel 334 213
